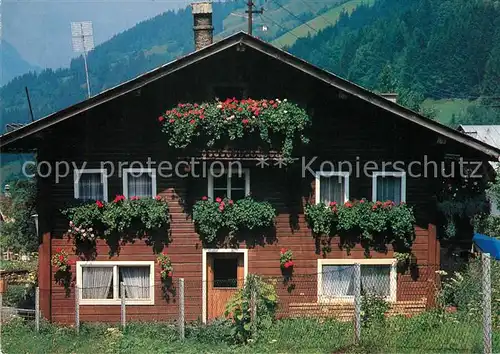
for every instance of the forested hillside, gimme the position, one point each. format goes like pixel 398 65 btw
pixel 436 49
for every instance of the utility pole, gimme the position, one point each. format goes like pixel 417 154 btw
pixel 250 13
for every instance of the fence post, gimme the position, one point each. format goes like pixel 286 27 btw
pixel 253 310
pixel 487 334
pixel 123 314
pixel 1 311
pixel 37 309
pixel 357 303
pixel 77 309
pixel 182 320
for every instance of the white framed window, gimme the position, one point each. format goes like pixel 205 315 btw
pixel 389 186
pixel 234 185
pixel 332 187
pixel 336 278
pixel 98 282
pixel 139 182
pixel 91 184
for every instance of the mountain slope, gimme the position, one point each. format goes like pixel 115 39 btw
pixel 11 63
pixel 432 48
pixel 318 23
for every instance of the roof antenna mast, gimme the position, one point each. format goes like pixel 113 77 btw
pixel 250 13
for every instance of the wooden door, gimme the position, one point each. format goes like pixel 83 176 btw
pixel 225 275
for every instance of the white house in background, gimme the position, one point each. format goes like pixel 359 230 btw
pixel 489 134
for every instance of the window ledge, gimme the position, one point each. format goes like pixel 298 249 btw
pixel 110 302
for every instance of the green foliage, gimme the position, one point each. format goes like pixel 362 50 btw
pixel 130 218
pixel 461 198
pixel 428 332
pixel 211 123
pixel 320 219
pixel 19 231
pixel 373 309
pixel 224 218
pixel 20 296
pixel 374 224
pixel 463 290
pixel 239 308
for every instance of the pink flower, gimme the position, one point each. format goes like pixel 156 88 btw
pixel 99 204
pixel 204 197
pixel 161 118
pixel 192 121
pixel 332 204
pixel 158 197
pixel 118 198
pixel 221 207
pixel 171 120
pixel 134 198
pixel 244 121
pixel 362 201
pixel 283 250
pixel 230 202
pixel 218 200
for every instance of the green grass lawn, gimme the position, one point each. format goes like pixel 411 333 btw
pixel 446 108
pixel 320 22
pixel 421 334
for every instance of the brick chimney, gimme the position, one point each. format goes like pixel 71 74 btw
pixel 203 29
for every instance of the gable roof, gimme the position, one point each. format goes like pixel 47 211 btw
pixel 265 48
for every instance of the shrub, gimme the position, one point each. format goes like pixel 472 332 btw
pixel 463 290
pixel 238 308
pixel 373 309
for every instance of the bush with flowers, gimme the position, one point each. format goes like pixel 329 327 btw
pixel 286 259
pixel 373 224
pixel 128 218
pixel 214 122
pixel 166 268
pixel 60 260
pixel 221 219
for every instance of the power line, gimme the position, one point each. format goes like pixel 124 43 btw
pixel 295 16
pixel 277 24
pixel 320 15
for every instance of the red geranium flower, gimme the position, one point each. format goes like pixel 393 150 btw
pixel 218 200
pixel 230 202
pixel 244 121
pixel 158 197
pixel 171 120
pixel 333 204
pixel 192 121
pixel 283 250
pixel 118 198
pixel 58 250
pixel 99 204
pixel 161 118
pixel 204 197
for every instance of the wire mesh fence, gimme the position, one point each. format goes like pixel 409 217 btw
pixel 417 307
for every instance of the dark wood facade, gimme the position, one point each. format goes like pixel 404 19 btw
pixel 345 128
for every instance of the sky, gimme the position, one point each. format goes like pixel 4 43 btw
pixel 41 33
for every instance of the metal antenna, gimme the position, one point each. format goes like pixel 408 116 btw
pixel 82 35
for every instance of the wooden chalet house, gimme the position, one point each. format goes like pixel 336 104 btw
pixel 128 123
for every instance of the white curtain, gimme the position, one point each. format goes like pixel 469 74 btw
pixel 375 279
pixel 389 188
pixel 338 281
pixel 96 282
pixel 331 189
pixel 90 186
pixel 136 281
pixel 140 186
